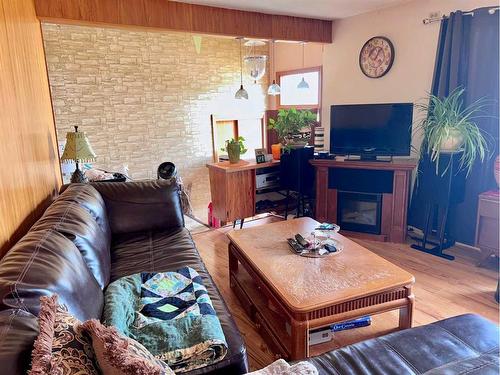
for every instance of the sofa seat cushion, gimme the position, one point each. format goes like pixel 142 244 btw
pixel 419 350
pixel 169 251
pixel 77 224
pixel 43 263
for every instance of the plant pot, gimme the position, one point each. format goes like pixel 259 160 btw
pixel 296 141
pixel 452 142
pixel 276 151
pixel 233 151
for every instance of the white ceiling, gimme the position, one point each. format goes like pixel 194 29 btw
pixel 324 9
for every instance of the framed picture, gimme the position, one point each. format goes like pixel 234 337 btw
pixel 260 155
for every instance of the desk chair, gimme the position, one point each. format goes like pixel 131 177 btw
pixel 297 175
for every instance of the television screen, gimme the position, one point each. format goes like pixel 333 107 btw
pixel 371 129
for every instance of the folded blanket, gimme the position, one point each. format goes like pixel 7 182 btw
pixel 171 314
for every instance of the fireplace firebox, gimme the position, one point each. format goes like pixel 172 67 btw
pixel 359 212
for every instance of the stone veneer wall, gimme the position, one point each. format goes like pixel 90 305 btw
pixel 146 97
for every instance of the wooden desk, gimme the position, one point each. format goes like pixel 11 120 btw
pixel 232 188
pixel 394 202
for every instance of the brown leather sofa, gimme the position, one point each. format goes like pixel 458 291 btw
pixel 89 236
pixel 466 344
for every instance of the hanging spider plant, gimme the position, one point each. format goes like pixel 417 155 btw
pixel 448 126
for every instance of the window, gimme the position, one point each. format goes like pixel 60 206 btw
pixel 291 96
pixel 252 129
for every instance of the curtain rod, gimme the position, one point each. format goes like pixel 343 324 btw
pixel 427 21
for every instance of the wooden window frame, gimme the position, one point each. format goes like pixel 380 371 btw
pixel 213 122
pixel 318 69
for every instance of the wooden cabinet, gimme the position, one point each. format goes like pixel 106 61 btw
pixel 487 238
pixel 232 187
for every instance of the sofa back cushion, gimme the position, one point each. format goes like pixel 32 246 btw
pixel 90 199
pixel 142 206
pixel 76 224
pixel 45 262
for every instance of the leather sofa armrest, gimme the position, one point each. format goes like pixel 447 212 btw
pixel 142 206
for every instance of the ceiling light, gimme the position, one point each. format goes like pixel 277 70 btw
pixel 256 63
pixel 273 89
pixel 303 85
pixel 241 93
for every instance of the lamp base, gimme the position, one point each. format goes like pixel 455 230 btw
pixel 78 177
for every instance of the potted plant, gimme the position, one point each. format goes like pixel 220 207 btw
pixel 234 148
pixel 293 126
pixel 448 127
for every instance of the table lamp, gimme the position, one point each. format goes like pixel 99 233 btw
pixel 77 149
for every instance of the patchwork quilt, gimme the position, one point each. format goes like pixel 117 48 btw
pixel 171 314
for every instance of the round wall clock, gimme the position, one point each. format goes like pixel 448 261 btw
pixel 376 57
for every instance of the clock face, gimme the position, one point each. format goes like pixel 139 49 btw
pixel 376 57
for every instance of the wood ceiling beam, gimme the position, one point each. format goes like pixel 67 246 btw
pixel 171 15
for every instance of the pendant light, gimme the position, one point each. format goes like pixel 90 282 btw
pixel 255 63
pixel 303 84
pixel 241 93
pixel 274 89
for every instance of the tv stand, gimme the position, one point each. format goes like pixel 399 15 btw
pixel 394 199
pixel 367 158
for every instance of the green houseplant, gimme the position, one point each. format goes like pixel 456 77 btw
pixel 448 127
pixel 234 148
pixel 291 125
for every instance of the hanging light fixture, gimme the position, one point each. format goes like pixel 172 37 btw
pixel 303 84
pixel 274 89
pixel 241 93
pixel 256 63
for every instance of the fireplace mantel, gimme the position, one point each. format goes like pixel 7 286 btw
pixel 394 200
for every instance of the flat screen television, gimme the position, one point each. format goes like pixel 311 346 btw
pixel 371 130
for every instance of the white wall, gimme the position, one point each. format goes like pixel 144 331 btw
pixel 415 48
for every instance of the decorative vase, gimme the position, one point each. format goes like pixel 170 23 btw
pixel 496 170
pixel 452 142
pixel 233 151
pixel 276 151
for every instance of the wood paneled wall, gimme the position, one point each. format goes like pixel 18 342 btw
pixel 173 15
pixel 29 168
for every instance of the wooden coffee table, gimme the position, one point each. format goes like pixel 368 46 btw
pixel 287 295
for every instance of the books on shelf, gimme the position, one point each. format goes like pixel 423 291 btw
pixel 356 323
pixel 325 334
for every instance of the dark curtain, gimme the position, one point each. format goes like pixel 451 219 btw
pixel 467 56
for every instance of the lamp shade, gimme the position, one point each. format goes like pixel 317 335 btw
pixel 77 147
pixel 241 93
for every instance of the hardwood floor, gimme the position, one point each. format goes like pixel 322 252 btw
pixel 442 289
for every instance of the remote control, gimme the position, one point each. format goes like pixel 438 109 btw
pixel 295 246
pixel 331 248
pixel 301 240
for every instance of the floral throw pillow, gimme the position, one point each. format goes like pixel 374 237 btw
pixel 61 348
